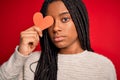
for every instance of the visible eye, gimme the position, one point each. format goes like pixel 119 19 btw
pixel 65 19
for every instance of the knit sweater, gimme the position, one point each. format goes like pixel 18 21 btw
pixel 80 66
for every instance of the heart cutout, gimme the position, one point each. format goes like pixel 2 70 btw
pixel 41 22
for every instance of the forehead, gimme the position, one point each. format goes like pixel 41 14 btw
pixel 56 7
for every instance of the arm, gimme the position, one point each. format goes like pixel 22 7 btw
pixel 108 70
pixel 112 72
pixel 29 39
pixel 12 68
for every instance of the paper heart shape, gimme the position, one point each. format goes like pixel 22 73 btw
pixel 41 22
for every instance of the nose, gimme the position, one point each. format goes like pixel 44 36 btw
pixel 56 26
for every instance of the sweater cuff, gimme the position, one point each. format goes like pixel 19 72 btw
pixel 16 51
pixel 19 57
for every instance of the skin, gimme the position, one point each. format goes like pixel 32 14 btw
pixel 62 33
pixel 29 39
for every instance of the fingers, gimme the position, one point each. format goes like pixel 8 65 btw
pixel 29 39
pixel 32 34
pixel 36 29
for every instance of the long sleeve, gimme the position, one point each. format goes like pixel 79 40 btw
pixel 11 69
pixel 110 71
pixel 85 66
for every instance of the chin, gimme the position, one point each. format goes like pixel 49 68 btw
pixel 60 46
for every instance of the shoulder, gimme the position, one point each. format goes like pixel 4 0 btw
pixel 102 62
pixel 99 58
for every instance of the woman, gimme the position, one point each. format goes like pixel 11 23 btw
pixel 65 54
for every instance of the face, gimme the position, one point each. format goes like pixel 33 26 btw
pixel 63 32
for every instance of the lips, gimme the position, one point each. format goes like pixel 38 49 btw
pixel 58 38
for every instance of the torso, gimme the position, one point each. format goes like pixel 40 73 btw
pixel 82 66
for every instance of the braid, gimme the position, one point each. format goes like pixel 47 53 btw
pixel 47 65
pixel 79 15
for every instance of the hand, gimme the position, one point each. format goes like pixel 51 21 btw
pixel 29 39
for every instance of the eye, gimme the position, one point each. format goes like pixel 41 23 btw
pixel 65 19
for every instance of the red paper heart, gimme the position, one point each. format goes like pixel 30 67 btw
pixel 41 22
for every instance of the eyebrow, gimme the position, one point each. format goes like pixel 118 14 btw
pixel 63 13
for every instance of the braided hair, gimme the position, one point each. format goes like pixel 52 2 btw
pixel 47 65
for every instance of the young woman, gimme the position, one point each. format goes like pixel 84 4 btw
pixel 65 54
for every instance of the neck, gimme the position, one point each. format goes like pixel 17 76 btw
pixel 71 50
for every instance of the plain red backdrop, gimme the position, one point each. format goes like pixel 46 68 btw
pixel 104 15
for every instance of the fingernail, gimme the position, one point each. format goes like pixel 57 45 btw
pixel 41 35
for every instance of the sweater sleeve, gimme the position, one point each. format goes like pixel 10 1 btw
pixel 11 69
pixel 111 72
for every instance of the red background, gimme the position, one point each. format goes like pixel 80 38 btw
pixel 104 15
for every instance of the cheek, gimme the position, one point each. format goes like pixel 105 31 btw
pixel 70 29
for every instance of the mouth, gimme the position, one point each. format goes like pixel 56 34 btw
pixel 58 38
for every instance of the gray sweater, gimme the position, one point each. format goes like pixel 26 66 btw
pixel 81 66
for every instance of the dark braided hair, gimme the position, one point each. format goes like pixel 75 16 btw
pixel 47 65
